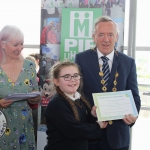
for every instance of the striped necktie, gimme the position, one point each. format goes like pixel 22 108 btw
pixel 105 69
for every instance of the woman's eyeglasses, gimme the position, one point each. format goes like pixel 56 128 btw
pixel 68 77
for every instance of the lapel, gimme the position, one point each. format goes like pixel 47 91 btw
pixel 93 60
pixel 113 70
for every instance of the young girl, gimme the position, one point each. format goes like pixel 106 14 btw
pixel 68 112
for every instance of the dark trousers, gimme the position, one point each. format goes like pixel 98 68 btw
pixel 103 144
pixel 35 121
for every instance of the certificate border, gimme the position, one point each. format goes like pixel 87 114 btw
pixel 128 93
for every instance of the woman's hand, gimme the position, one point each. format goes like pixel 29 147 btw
pixel 5 103
pixel 34 100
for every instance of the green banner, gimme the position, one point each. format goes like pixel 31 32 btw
pixel 76 31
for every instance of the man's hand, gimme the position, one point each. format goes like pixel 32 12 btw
pixel 129 119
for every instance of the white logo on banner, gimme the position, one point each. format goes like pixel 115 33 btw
pixel 81 23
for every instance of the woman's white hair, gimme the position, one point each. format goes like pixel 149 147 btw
pixel 8 33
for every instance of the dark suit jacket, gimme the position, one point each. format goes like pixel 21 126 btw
pixel 118 132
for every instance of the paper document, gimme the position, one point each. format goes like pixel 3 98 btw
pixel 114 105
pixel 22 96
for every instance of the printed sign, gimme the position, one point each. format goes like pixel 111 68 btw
pixel 76 31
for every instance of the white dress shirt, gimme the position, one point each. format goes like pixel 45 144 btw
pixel 110 61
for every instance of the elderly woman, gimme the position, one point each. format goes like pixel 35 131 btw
pixel 17 75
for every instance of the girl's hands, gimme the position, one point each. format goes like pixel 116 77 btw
pixel 103 124
pixel 93 111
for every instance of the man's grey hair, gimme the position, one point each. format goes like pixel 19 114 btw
pixel 103 19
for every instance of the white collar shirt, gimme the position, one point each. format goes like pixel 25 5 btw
pixel 77 95
pixel 110 61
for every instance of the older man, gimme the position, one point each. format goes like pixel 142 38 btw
pixel 120 75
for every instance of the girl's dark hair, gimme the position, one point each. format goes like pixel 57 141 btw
pixel 55 71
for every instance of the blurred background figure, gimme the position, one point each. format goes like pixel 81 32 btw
pixel 37 58
pixel 58 32
pixel 45 31
pixel 51 36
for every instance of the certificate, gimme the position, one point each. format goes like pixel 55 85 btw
pixel 22 96
pixel 114 105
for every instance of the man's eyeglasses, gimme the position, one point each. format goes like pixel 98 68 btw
pixel 68 77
